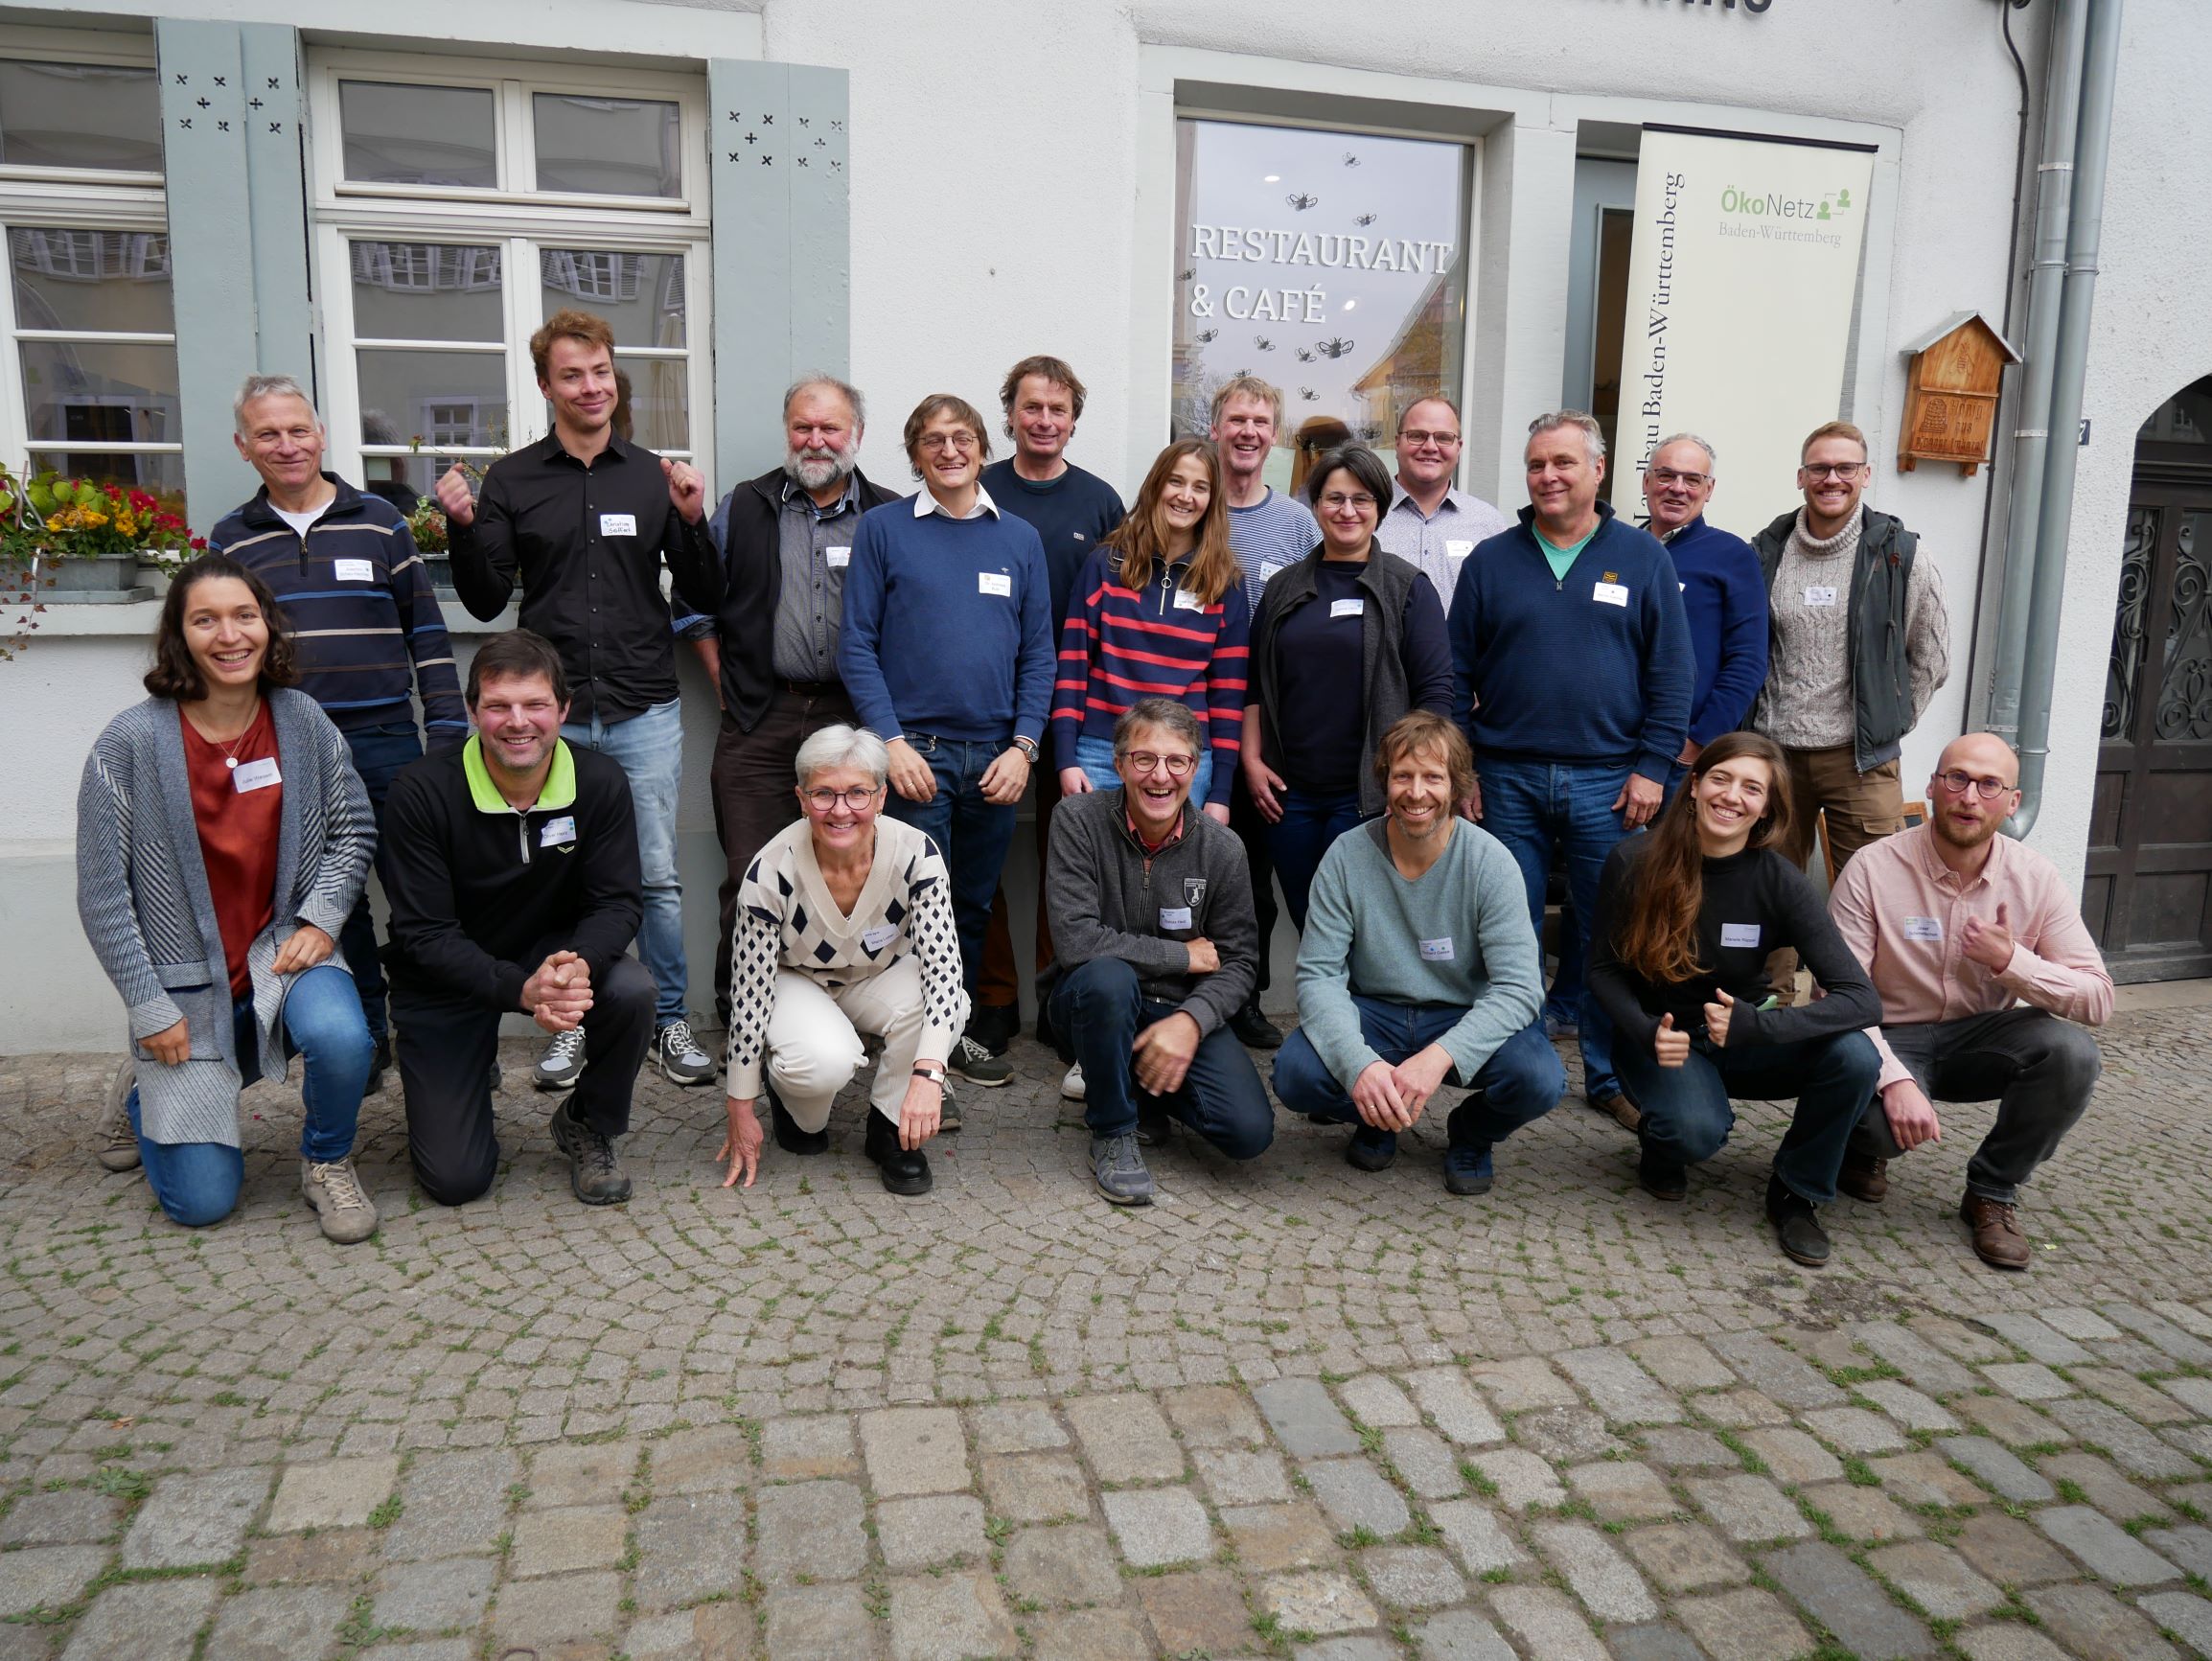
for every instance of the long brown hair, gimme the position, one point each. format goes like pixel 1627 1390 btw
pixel 1657 932
pixel 174 674
pixel 1141 538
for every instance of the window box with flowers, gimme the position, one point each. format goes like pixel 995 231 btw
pixel 79 541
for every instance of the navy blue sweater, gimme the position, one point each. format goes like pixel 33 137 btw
pixel 946 626
pixel 1724 600
pixel 1591 668
pixel 366 626
pixel 1071 515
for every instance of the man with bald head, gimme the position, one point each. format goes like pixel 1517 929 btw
pixel 1984 965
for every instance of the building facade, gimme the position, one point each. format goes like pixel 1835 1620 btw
pixel 386 203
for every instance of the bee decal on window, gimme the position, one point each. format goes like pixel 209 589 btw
pixel 1308 394
pixel 1334 347
pixel 1263 342
pixel 1363 220
pixel 1300 201
pixel 1304 354
pixel 1206 337
pixel 1350 160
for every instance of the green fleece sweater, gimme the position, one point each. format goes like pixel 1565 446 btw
pixel 1460 934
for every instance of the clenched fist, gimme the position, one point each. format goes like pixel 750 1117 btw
pixel 453 497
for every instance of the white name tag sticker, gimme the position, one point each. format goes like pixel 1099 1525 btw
pixel 1174 917
pixel 1268 569
pixel 875 939
pixel 255 774
pixel 1820 593
pixel 1740 934
pixel 617 524
pixel 354 570
pixel 557 833
pixel 1924 929
pixel 1456 551
pixel 1609 594
pixel 1347 608
pixel 995 583
pixel 1438 951
pixel 1186 600
pixel 837 559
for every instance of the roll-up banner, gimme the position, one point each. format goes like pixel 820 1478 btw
pixel 1740 278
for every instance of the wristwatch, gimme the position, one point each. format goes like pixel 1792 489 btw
pixel 932 1071
pixel 1028 749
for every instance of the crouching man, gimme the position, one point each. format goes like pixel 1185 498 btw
pixel 1418 968
pixel 513 873
pixel 1155 947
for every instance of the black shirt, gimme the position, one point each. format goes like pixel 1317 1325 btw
pixel 1319 673
pixel 1754 902
pixel 586 544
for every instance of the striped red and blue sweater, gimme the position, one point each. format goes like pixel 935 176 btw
pixel 1118 645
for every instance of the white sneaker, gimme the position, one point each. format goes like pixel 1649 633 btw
pixel 563 1063
pixel 342 1206
pixel 1072 1086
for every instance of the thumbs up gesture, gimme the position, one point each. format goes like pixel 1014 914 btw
pixel 1989 944
pixel 1670 1046
pixel 1716 1018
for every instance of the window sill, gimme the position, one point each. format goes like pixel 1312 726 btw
pixel 138 618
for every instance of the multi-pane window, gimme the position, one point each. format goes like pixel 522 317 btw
pixel 447 188
pixel 89 381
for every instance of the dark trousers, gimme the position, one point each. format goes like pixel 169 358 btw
pixel 1244 818
pixel 1000 984
pixel 445 1050
pixel 972 834
pixel 1310 822
pixel 1687 1116
pixel 2040 1070
pixel 752 782
pixel 1098 1009
pixel 1521 1081
pixel 379 754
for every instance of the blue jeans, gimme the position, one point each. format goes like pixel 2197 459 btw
pixel 197 1182
pixel 1098 1009
pixel 1521 1081
pixel 1297 840
pixel 379 754
pixel 972 834
pixel 1532 805
pixel 1096 757
pixel 1687 1116
pixel 650 746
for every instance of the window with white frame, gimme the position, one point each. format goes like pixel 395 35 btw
pixel 461 204
pixel 88 379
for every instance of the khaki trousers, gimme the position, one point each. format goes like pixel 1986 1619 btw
pixel 1861 808
pixel 813 1040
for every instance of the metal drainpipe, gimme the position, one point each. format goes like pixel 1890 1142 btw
pixel 2092 149
pixel 2032 416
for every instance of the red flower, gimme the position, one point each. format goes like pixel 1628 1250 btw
pixel 199 544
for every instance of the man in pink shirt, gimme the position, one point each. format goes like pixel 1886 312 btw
pixel 1983 962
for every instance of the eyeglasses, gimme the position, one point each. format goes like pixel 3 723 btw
pixel 1846 471
pixel 1956 783
pixel 1337 499
pixel 828 801
pixel 937 442
pixel 1664 476
pixel 1444 439
pixel 1144 761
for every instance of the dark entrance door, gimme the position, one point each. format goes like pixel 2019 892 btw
pixel 2146 891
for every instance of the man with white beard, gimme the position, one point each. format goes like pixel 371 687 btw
pixel 786 542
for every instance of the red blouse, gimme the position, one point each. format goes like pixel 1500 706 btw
pixel 238 834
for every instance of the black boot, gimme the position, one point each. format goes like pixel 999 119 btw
pixel 788 1135
pixel 902 1172
pixel 1253 1030
pixel 1797 1225
pixel 1659 1175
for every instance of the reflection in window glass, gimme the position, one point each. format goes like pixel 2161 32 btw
pixel 427 290
pixel 160 474
pixel 657 407
pixel 1332 265
pixel 607 147
pixel 80 115
pixel 417 136
pixel 433 397
pixel 108 281
pixel 101 392
pixel 640 294
pixel 404 480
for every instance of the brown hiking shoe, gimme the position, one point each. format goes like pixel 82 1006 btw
pixel 1864 1177
pixel 1616 1106
pixel 1999 1240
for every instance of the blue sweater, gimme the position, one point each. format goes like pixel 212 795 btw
pixel 1724 600
pixel 1592 668
pixel 947 626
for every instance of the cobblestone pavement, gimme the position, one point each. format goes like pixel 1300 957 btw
pixel 1291 1410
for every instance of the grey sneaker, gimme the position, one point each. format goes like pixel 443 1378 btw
pixel 595 1173
pixel 342 1206
pixel 679 1056
pixel 1119 1169
pixel 563 1063
pixel 977 1065
pixel 117 1149
pixel 948 1111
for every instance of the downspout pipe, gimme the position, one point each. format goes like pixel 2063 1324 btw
pixel 2032 414
pixel 2092 150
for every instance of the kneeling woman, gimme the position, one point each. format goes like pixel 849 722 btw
pixel 223 837
pixel 1684 922
pixel 845 927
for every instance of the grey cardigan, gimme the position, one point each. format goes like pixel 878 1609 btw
pixel 142 893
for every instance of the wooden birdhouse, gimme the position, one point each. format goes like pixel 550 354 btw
pixel 1950 397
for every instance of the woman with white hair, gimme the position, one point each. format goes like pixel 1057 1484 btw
pixel 845 927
